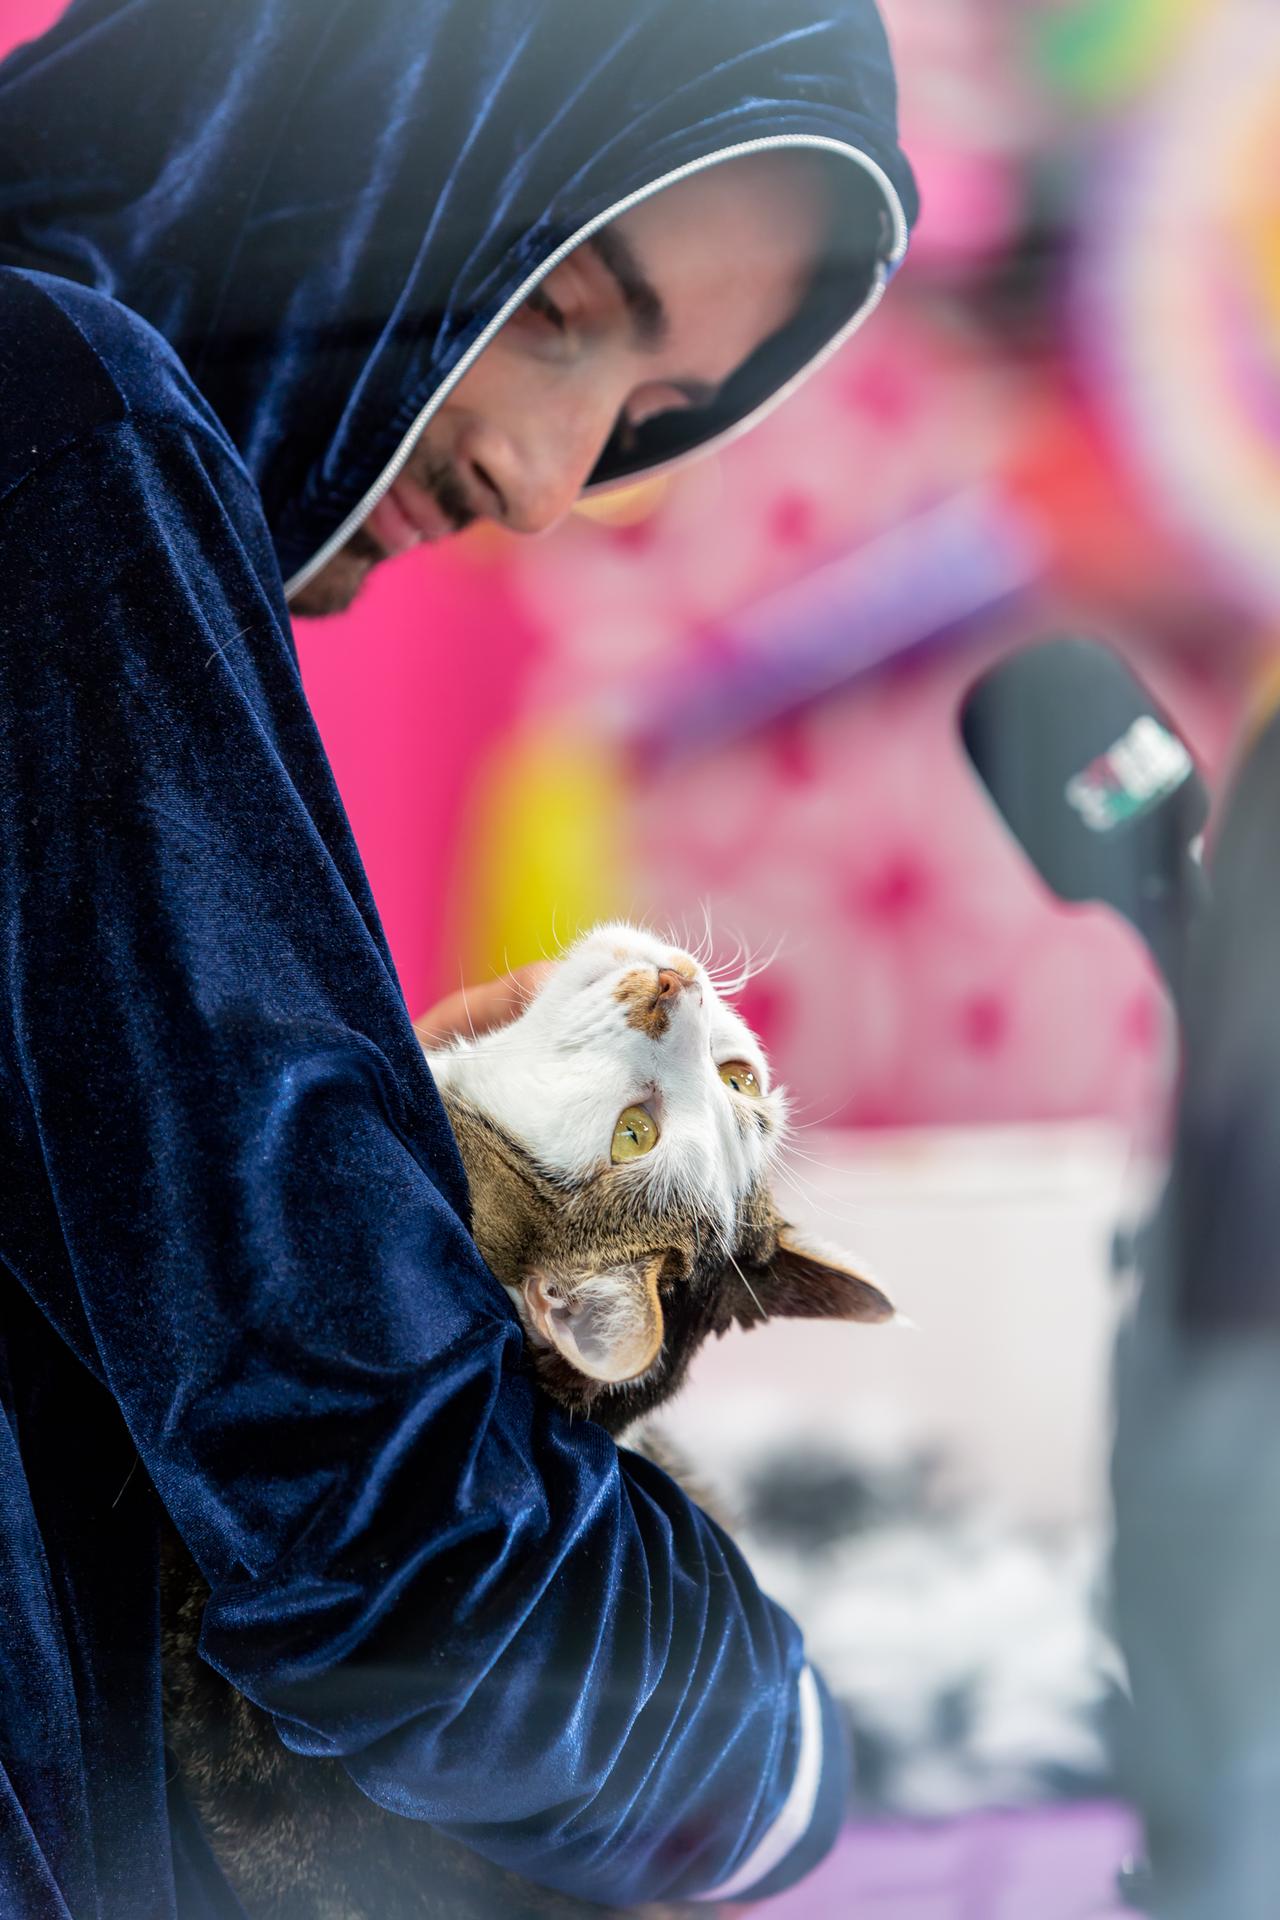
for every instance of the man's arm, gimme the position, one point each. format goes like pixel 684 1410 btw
pixel 416 1564
pixel 1196 1468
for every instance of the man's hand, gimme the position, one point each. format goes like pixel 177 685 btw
pixel 474 1010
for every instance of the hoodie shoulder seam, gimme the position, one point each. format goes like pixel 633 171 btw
pixel 107 400
pixel 95 431
pixel 28 286
pixel 126 407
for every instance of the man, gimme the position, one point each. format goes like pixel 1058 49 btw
pixel 650 316
pixel 1196 1464
pixel 283 286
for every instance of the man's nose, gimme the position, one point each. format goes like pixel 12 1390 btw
pixel 533 488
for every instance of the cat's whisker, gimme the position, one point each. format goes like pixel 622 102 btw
pixel 739 947
pixel 807 1126
pixel 775 954
pixel 708 936
pixel 784 1164
pixel 751 965
pixel 747 1284
pixel 722 978
pixel 466 1008
pixel 695 949
pixel 730 979
pixel 494 1042
pixel 858 1183
pixel 808 1195
pixel 867 1181
pixel 434 1039
pixel 702 952
pixel 725 965
pixel 526 991
pixel 745 966
pixel 802 1153
pixel 790 1153
pixel 824 1166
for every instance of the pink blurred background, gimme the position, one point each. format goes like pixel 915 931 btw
pixel 923 977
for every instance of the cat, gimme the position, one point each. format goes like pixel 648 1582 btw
pixel 618 1137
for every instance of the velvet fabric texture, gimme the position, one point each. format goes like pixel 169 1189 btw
pixel 236 1281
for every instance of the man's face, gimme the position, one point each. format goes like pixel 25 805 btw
pixel 654 313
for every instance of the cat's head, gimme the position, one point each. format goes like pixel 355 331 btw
pixel 618 1139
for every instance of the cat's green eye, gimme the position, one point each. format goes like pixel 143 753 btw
pixel 635 1135
pixel 742 1078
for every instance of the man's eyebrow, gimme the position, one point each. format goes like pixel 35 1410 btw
pixel 643 303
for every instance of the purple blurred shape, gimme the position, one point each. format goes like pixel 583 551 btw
pixel 909 588
pixel 1042 1863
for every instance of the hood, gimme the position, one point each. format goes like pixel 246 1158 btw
pixel 328 207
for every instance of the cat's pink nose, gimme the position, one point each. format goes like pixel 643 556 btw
pixel 672 984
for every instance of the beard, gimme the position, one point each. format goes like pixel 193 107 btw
pixel 340 579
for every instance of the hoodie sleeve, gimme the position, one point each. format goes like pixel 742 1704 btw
pixel 231 1187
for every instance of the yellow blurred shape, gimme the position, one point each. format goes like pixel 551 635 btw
pixel 1257 225
pixel 1264 698
pixel 543 856
pixel 624 506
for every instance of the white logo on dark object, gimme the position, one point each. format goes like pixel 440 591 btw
pixel 1143 768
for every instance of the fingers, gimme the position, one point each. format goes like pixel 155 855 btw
pixel 474 1010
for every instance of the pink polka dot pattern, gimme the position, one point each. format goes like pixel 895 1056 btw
pixel 924 976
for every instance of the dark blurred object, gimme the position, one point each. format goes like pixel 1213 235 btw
pixel 1135 1886
pixel 810 1503
pixel 963 1643
pixel 1097 786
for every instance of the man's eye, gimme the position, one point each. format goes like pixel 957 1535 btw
pixel 651 402
pixel 541 303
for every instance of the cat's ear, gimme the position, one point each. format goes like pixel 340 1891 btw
pixel 607 1325
pixel 808 1281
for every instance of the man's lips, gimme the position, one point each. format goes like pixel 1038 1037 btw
pixel 404 516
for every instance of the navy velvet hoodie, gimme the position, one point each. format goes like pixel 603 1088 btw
pixel 243 249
